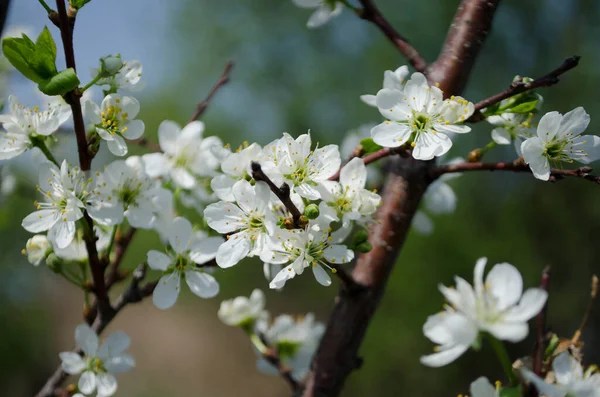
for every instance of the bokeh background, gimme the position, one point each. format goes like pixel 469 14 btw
pixel 288 78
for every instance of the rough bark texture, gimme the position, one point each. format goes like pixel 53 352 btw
pixel 405 185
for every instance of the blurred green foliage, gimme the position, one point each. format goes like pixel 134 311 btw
pixel 288 78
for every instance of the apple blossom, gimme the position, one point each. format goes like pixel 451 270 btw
pixel 114 121
pixel 559 139
pixel 181 261
pixel 419 115
pixel 248 222
pixel 498 307
pixel 98 363
pixel 325 10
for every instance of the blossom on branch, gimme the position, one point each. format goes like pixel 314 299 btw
pixel 243 312
pixel 325 10
pixel 498 307
pixel 511 128
pixel 419 115
pixel 186 252
pixel 98 363
pixel 558 140
pixel 128 78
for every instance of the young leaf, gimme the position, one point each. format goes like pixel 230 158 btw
pixel 78 3
pixel 60 84
pixel 369 146
pixel 44 60
pixel 20 52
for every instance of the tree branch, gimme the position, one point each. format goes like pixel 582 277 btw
pixel 516 166
pixel 378 155
pixel 588 312
pixel 541 340
pixel 519 86
pixel 371 13
pixel 224 79
pixel 286 373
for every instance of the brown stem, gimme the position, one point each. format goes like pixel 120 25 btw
pixel 378 155
pixel 516 166
pixel 224 79
pixel 541 341
pixel 371 13
pixel 272 357
pixel 121 246
pixel 282 193
pixel 519 86
pixel 588 311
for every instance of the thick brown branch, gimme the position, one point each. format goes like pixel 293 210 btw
pixel 371 13
pixel 224 79
pixel 282 193
pixel 516 166
pixel 470 27
pixel 519 86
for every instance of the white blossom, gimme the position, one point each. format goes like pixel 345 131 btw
pixel 305 169
pixel 248 222
pixel 186 155
pixel 570 379
pixel 76 250
pixel 124 190
pixel 482 387
pixel 392 79
pixel 8 181
pixel 325 10
pixel 37 249
pixel 181 261
pixel 128 78
pixel 559 139
pixel 351 141
pixel 98 363
pixel 511 128
pixel 295 340
pixel 419 115
pixel 114 121
pixel 302 248
pixel 498 307
pixel 65 197
pixel 242 311
pixel 24 126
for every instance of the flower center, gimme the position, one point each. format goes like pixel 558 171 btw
pixel 287 348
pixel 554 149
pixel 256 222
pixel 420 121
pixel 113 119
pixel 129 192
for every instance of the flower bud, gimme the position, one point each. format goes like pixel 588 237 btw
pixel 364 247
pixel 360 236
pixel 54 263
pixel 110 65
pixel 37 248
pixel 474 156
pixel 312 211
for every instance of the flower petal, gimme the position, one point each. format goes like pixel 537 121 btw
pixel 86 339
pixel 202 284
pixel 87 382
pixel 107 384
pixel 321 275
pixel 72 363
pixel 166 291
pixel 115 344
pixel 391 134
pixel 180 234
pixel 505 284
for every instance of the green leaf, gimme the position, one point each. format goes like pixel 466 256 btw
pixel 78 3
pixel 526 107
pixel 511 392
pixel 44 60
pixel 20 52
pixel 369 146
pixel 60 84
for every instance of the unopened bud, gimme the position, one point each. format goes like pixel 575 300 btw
pixel 360 236
pixel 303 221
pixel 110 65
pixel 54 263
pixel 37 248
pixel 312 211
pixel 474 156
pixel 364 247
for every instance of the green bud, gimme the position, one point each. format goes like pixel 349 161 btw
pixel 110 65
pixel 552 345
pixel 360 236
pixel 54 263
pixel 312 211
pixel 364 247
pixel 60 84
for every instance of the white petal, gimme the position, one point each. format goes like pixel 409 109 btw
pixel 566 369
pixel 543 387
pixel 284 274
pixel 504 282
pixel 119 364
pixel 533 150
pixel 114 345
pixel 141 218
pixel 87 382
pixel 483 388
pixel 548 126
pixel 202 284
pixel 117 146
pixel 180 234
pixel 233 250
pixel 155 164
pixel 166 291
pixel 574 122
pixel 369 100
pixel 206 249
pixel 321 275
pixel 391 134
pixel 590 145
pixel 183 178
pixel 40 221
pixel 107 384
pixel 387 98
pixel 478 276
pixel 353 175
pixel 86 339
pixel 531 304
pixel 501 136
pixel 338 254
pixel 422 223
pixel 443 357
pixel 135 129
pixel 192 131
pixel 244 195
pixel 168 132
pixel 512 332
pixel 222 185
pixel 72 363
pixel 323 14
pixel 440 198
pixel 224 217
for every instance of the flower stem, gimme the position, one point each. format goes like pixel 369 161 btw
pixel 504 358
pixel 257 342
pixel 111 244
pixel 91 83
pixel 39 143
pixel 486 148
pixel 46 6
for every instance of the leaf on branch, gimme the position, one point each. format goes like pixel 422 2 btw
pixel 20 52
pixel 44 60
pixel 369 146
pixel 60 84
pixel 78 3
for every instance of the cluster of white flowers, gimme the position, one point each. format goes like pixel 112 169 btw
pixel 295 340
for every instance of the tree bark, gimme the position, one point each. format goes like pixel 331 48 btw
pixel 405 185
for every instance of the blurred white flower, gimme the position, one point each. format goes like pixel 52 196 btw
pixel 8 181
pixel 392 80
pixel 511 128
pixel 37 249
pixel 76 250
pixel 66 195
pixel 128 78
pixel 497 306
pixel 559 139
pixel 570 380
pixel 325 10
pixel 483 388
pixel 243 312
pixel 114 121
pixel 24 126
pixel 419 114
pixel 181 262
pixel 98 364
pixel 248 222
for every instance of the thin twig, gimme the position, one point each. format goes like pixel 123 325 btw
pixel 272 357
pixel 517 166
pixel 121 246
pixel 519 86
pixel 283 192
pixel 588 311
pixel 224 79
pixel 378 155
pixel 541 340
pixel 371 13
